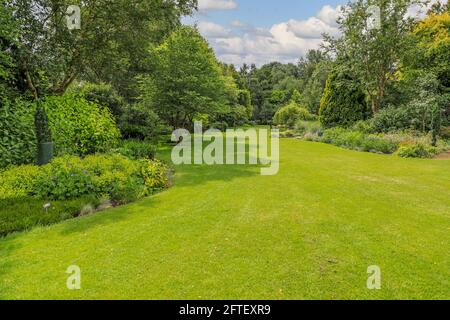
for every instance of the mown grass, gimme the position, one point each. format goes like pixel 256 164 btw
pixel 226 232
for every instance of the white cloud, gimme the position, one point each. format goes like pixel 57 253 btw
pixel 329 15
pixel 311 28
pixel 210 5
pixel 213 30
pixel 420 11
pixel 284 42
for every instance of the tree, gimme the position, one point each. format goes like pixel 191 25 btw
pixel 431 54
pixel 8 33
pixel 187 80
pixel 373 52
pixel 314 70
pixel 114 35
pixel 49 56
pixel 343 102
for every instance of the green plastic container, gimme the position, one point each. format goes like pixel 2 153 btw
pixel 45 153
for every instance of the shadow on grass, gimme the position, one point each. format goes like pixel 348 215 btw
pixel 7 247
pixel 186 176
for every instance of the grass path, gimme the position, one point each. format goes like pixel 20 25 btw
pixel 226 232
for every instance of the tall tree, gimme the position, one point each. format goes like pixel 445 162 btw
pixel 373 50
pixel 114 34
pixel 187 80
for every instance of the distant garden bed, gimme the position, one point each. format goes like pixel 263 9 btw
pixel 403 144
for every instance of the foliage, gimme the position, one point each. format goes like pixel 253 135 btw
pixel 445 133
pixel 314 70
pixel 8 39
pixel 139 121
pixel 80 127
pixel 18 181
pixel 430 53
pixel 343 102
pixel 271 86
pixel 187 80
pixel 102 94
pixel 421 112
pixel 417 150
pixel 19 214
pixel 136 149
pixel 115 176
pixel 356 140
pixel 309 127
pixel 17 136
pixel 372 51
pixel 52 56
pixel 290 114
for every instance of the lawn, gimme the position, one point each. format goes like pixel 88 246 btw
pixel 226 232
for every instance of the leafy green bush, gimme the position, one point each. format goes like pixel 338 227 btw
pixel 18 181
pixel 356 140
pixel 393 119
pixel 80 127
pixel 71 185
pixel 17 135
pixel 136 149
pixel 114 176
pixel 140 122
pixel 18 214
pixel 445 132
pixel 290 114
pixel 417 150
pixel 309 127
pixel 103 95
pixel 343 101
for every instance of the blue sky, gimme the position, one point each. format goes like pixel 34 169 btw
pixel 265 13
pixel 261 31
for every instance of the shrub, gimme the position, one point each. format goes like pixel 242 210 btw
pixel 356 140
pixel 140 122
pixel 417 150
pixel 290 114
pixel 445 132
pixel 80 127
pixel 363 126
pixel 102 94
pixel 135 149
pixel 18 181
pixel 17 135
pixel 393 119
pixel 309 127
pixel 18 214
pixel 114 176
pixel 343 101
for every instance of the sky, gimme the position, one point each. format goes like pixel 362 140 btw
pixel 262 31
